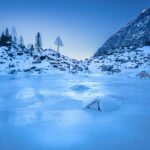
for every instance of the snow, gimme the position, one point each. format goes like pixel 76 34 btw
pixel 145 49
pixel 46 112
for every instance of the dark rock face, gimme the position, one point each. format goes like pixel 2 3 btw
pixel 106 68
pixel 11 65
pixel 13 71
pixel 43 57
pixel 135 34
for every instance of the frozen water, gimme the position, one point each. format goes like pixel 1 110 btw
pixel 46 112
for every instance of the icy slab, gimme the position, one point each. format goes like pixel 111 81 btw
pixel 104 104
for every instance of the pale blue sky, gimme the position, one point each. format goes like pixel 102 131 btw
pixel 83 25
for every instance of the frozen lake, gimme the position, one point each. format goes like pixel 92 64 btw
pixel 47 113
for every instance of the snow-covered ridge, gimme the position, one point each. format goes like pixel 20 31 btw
pixel 121 60
pixel 14 60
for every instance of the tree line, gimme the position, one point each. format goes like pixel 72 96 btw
pixel 11 39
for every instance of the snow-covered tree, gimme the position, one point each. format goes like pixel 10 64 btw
pixel 21 41
pixel 59 43
pixel 38 42
pixel 14 34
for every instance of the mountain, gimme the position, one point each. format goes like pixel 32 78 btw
pixel 134 34
pixel 127 50
pixel 15 59
pixel 122 60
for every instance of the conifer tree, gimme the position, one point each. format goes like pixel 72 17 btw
pixel 14 35
pixel 38 42
pixel 6 39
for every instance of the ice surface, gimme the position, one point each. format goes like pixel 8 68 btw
pixel 46 112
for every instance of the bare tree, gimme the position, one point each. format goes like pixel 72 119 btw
pixel 59 43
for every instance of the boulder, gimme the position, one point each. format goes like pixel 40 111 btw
pixel 94 104
pixel 62 69
pixel 20 53
pixel 43 57
pixel 143 74
pixel 115 70
pixel 106 68
pixel 37 61
pixel 12 71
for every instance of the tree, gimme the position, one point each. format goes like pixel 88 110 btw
pixel 14 34
pixel 38 42
pixel 6 32
pixel 59 43
pixel 6 39
pixel 31 49
pixel 21 42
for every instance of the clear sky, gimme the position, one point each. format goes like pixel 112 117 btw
pixel 83 25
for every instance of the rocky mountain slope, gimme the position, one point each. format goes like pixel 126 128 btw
pixel 127 50
pixel 134 34
pixel 122 60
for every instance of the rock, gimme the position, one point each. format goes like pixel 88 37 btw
pixel 73 71
pixel 115 70
pixel 143 74
pixel 86 68
pixel 37 61
pixel 12 71
pixel 35 56
pixel 38 69
pixel 62 69
pixel 94 104
pixel 20 53
pixel 121 60
pixel 10 55
pixel 43 57
pixel 80 88
pixel 76 67
pixel 55 66
pixel 33 67
pixel 106 68
pixel 11 65
pixel 30 69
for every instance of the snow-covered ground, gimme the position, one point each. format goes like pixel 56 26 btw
pixel 46 112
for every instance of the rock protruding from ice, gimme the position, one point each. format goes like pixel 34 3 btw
pixel 104 104
pixel 94 104
pixel 80 88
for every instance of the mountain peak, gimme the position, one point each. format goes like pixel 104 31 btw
pixel 135 34
pixel 146 12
